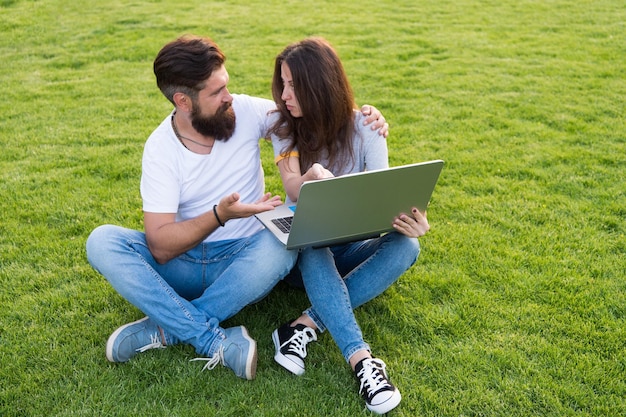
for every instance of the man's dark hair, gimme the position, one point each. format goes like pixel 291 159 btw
pixel 185 64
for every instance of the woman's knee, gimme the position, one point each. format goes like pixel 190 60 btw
pixel 406 247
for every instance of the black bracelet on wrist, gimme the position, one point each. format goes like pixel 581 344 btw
pixel 216 216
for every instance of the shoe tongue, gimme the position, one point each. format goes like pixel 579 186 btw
pixel 359 365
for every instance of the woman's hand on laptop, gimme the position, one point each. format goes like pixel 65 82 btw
pixel 317 172
pixel 414 225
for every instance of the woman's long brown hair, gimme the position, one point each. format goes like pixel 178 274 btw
pixel 323 91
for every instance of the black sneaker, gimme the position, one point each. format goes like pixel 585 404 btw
pixel 290 343
pixel 379 394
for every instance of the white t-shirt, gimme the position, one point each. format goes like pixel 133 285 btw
pixel 176 180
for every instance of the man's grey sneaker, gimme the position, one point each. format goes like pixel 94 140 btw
pixel 237 352
pixel 379 394
pixel 290 343
pixel 134 338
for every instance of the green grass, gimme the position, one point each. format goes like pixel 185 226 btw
pixel 517 306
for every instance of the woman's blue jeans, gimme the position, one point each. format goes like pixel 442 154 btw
pixel 341 278
pixel 190 295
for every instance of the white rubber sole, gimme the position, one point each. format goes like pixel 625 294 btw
pixel 251 360
pixel 386 406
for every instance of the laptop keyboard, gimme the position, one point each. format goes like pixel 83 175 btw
pixel 283 223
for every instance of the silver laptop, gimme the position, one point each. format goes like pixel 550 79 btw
pixel 352 207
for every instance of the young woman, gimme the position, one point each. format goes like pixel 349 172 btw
pixel 318 134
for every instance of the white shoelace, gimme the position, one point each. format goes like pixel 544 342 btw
pixel 297 343
pixel 372 377
pixel 213 361
pixel 155 343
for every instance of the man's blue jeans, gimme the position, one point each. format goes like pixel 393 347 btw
pixel 341 278
pixel 190 295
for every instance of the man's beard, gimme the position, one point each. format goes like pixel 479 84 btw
pixel 219 126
